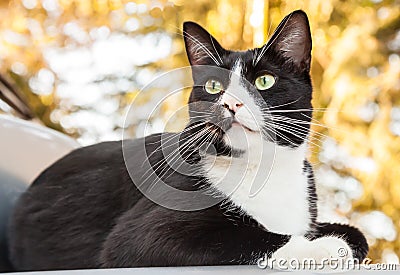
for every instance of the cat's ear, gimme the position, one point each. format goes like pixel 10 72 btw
pixel 201 47
pixel 292 39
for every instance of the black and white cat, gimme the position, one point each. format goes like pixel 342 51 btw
pixel 94 207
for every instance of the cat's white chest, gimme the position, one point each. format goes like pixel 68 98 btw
pixel 267 183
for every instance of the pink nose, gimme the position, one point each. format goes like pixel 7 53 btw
pixel 231 103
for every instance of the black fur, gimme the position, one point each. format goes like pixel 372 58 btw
pixel 85 211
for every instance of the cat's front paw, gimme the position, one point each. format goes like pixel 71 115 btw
pixel 323 254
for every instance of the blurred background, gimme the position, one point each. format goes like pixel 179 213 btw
pixel 76 65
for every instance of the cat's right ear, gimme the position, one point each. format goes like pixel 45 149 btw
pixel 292 39
pixel 201 47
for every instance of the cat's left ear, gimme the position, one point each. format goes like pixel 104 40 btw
pixel 292 39
pixel 201 47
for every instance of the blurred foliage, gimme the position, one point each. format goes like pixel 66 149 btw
pixel 356 67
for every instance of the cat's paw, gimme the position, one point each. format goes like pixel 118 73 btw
pixel 323 254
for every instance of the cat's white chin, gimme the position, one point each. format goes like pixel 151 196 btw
pixel 245 127
pixel 242 137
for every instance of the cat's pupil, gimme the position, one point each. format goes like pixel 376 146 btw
pixel 213 85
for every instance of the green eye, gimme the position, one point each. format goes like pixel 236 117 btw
pixel 213 86
pixel 265 82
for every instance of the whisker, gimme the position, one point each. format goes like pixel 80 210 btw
pixel 165 140
pixel 303 128
pixel 153 168
pixel 209 134
pixel 296 134
pixel 177 154
pixel 279 135
pixel 278 117
pixel 281 105
pixel 299 131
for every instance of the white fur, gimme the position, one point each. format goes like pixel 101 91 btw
pixel 267 181
pixel 322 251
pixel 250 114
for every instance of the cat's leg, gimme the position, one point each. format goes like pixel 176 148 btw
pixel 327 242
pixel 162 237
pixel 300 252
pixel 358 246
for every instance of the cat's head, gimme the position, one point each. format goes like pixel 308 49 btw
pixel 265 90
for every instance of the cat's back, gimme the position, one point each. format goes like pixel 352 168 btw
pixel 70 208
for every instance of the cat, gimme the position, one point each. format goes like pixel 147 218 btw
pixel 250 189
